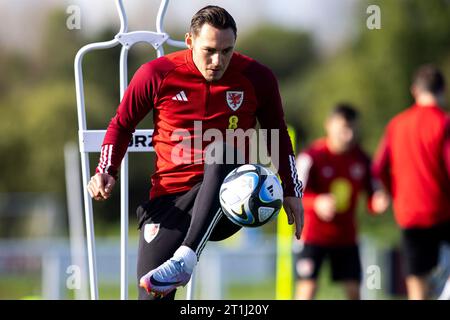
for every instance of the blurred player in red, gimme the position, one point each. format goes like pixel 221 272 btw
pixel 413 161
pixel 335 171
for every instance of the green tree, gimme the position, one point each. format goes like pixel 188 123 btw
pixel 286 52
pixel 374 70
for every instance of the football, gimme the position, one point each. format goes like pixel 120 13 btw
pixel 251 195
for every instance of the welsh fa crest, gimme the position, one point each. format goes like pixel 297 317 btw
pixel 235 99
pixel 150 231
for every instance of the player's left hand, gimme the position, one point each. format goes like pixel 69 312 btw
pixel 380 201
pixel 294 210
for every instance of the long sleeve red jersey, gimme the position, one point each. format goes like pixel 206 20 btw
pixel 177 93
pixel 413 161
pixel 343 175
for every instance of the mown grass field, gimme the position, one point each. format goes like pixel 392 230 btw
pixel 29 287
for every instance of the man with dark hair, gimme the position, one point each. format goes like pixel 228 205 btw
pixel 413 161
pixel 335 170
pixel 225 92
pixel 213 16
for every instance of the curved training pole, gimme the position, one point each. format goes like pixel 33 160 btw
pixel 81 112
pixel 124 190
pixel 90 140
pixel 160 26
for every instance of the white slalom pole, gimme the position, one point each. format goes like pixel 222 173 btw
pixel 191 287
pixel 82 127
pixel 124 190
pixel 160 25
pixel 75 211
pixel 90 140
pixel 124 229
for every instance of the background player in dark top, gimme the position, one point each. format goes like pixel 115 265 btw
pixel 224 91
pixel 335 171
pixel 413 161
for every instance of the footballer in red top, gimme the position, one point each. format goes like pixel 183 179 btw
pixel 185 106
pixel 413 161
pixel 198 98
pixel 335 171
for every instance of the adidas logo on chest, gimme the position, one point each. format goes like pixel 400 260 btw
pixel 180 96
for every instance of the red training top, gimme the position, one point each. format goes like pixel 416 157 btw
pixel 178 94
pixel 343 175
pixel 413 161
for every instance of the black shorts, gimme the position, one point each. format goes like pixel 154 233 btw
pixel 190 218
pixel 164 222
pixel 345 262
pixel 421 247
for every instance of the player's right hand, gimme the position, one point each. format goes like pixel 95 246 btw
pixel 100 186
pixel 325 206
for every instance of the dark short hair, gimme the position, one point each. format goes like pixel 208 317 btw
pixel 215 16
pixel 429 78
pixel 346 111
